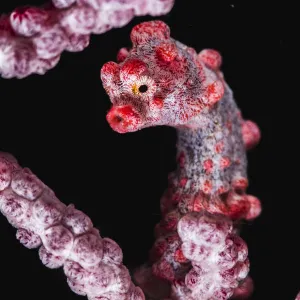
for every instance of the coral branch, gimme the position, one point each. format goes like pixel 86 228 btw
pixel 65 235
pixel 217 255
pixel 33 38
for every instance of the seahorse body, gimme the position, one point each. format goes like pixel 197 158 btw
pixel 160 81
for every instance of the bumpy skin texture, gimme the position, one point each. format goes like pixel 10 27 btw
pixel 160 81
pixel 33 38
pixel 208 240
pixel 65 235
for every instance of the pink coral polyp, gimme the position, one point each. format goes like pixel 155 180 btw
pixel 65 235
pixel 31 37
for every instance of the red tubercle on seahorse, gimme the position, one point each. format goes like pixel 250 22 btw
pixel 208 165
pixel 166 52
pixel 158 102
pixel 251 134
pixel 211 58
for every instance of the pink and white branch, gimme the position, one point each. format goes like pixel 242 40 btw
pixel 33 38
pixel 65 235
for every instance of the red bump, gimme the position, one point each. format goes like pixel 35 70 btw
pixel 211 58
pixel 225 162
pixel 132 67
pixel 251 134
pixel 219 147
pixel 208 165
pixel 109 70
pixel 207 186
pixel 145 31
pixel 255 207
pixel 238 207
pixel 158 102
pixel 182 182
pixel 199 204
pixel 240 184
pixel 122 54
pixel 166 52
pixel 214 92
pixel 179 256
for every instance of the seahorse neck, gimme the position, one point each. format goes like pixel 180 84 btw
pixel 210 148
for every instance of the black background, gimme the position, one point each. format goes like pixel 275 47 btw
pixel 55 124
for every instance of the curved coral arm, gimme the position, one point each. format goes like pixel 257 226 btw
pixel 33 38
pixel 65 235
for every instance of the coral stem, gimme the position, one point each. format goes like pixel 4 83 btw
pixel 33 38
pixel 65 235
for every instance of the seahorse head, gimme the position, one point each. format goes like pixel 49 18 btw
pixel 158 82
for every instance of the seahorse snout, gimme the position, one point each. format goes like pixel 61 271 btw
pixel 123 119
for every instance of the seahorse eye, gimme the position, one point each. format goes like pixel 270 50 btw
pixel 143 88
